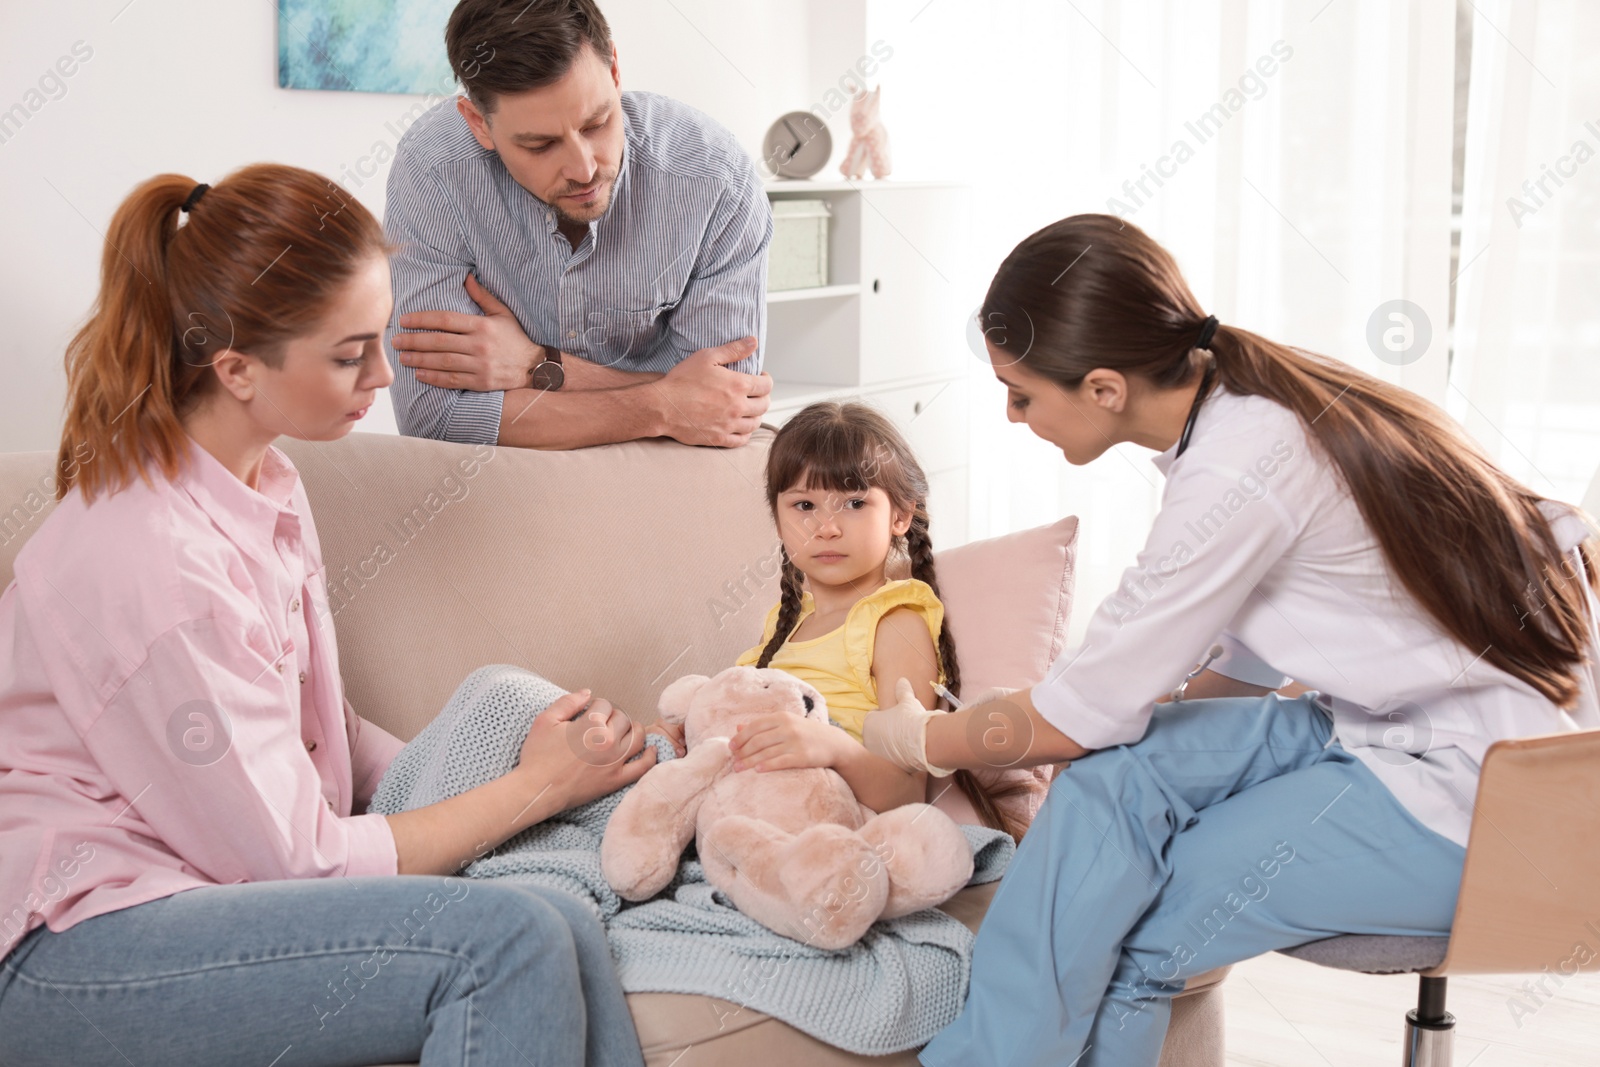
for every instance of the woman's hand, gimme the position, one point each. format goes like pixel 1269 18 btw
pixel 578 754
pixel 779 741
pixel 570 756
pixel 672 731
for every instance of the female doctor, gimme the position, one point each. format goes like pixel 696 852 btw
pixel 1317 524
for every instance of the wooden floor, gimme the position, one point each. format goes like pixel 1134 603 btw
pixel 1286 1013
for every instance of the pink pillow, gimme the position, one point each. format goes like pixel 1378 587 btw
pixel 1007 602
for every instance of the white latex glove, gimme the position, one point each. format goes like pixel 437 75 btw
pixel 900 734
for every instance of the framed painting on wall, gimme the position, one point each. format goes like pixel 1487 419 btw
pixel 367 46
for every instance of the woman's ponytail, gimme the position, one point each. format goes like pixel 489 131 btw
pixel 1467 540
pixel 256 261
pixel 1470 543
pixel 119 373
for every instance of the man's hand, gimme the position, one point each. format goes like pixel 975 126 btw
pixel 484 353
pixel 579 755
pixel 705 403
pixel 780 741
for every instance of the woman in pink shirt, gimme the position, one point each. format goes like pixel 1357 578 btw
pixel 188 873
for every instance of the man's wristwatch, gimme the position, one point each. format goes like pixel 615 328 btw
pixel 547 374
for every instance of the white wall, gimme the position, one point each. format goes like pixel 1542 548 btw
pixel 191 86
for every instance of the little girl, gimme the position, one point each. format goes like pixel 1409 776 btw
pixel 848 497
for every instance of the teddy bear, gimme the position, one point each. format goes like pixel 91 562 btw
pixel 869 141
pixel 792 849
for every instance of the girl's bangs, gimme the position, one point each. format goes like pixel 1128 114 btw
pixel 839 460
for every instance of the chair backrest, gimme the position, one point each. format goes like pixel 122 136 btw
pixel 1530 891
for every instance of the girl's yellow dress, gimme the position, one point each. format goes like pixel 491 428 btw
pixel 839 664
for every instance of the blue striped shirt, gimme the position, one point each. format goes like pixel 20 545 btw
pixel 677 263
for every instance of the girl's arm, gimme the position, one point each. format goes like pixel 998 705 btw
pixel 780 741
pixel 902 648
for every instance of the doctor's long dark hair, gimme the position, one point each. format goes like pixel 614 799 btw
pixel 850 448
pixel 1468 541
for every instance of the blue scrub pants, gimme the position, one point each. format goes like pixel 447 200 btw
pixel 1231 829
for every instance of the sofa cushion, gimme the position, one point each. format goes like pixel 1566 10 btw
pixel 618 568
pixel 678 1030
pixel 1008 600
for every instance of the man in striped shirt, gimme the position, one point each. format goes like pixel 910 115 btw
pixel 577 264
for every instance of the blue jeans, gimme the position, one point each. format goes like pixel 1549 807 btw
pixel 328 971
pixel 1231 829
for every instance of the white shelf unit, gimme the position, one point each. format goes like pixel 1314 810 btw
pixel 820 292
pixel 888 328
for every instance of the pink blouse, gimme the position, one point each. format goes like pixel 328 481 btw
pixel 171 712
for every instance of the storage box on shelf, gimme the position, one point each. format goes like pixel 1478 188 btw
pixel 798 258
pixel 888 327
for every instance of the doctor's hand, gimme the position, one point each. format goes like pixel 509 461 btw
pixel 900 733
pixel 705 403
pixel 484 353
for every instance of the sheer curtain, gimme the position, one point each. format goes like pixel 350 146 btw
pixel 1295 158
pixel 1526 378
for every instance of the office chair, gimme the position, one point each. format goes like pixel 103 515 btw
pixel 1530 888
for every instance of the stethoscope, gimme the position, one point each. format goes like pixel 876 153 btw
pixel 1214 653
pixel 1194 408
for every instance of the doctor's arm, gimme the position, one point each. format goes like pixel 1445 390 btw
pixel 1010 732
pixel 1181 594
pixel 1001 734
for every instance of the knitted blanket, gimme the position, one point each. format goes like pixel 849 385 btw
pixel 893 990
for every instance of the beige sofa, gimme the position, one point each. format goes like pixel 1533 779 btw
pixel 619 568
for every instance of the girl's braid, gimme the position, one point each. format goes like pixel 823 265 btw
pixel 919 547
pixel 788 610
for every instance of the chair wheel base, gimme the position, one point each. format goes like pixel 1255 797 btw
pixel 1429 1044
